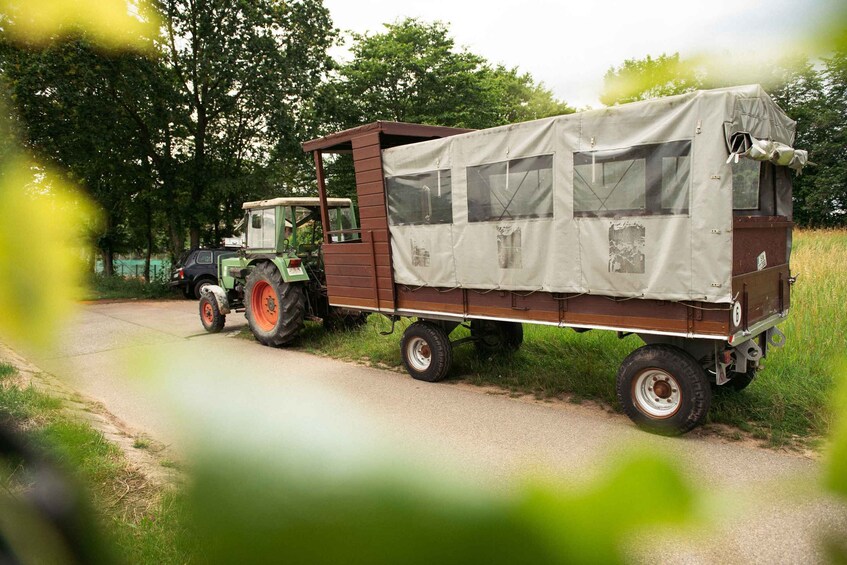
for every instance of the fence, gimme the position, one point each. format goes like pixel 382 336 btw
pixel 135 267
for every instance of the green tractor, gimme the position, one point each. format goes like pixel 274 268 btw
pixel 277 279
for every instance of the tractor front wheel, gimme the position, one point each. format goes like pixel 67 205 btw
pixel 210 315
pixel 275 310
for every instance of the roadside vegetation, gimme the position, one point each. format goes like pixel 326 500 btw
pixel 141 523
pixel 114 287
pixel 786 404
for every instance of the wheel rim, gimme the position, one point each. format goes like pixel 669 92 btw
pixel 208 313
pixel 419 354
pixel 265 306
pixel 656 393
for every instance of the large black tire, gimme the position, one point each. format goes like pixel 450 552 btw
pixel 740 381
pixel 344 320
pixel 210 315
pixel 663 389
pixel 197 289
pixel 494 337
pixel 275 310
pixel 426 351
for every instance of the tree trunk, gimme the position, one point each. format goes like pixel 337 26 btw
pixel 108 256
pixel 194 235
pixel 149 219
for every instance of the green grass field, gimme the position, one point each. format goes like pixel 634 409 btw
pixel 788 400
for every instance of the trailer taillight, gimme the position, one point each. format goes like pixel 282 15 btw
pixel 292 263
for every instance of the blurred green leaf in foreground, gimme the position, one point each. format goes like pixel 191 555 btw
pixel 111 23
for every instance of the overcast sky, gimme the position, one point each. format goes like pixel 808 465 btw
pixel 570 45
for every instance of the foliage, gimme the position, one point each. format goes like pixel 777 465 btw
pixel 642 79
pixel 109 287
pixel 42 227
pixel 99 469
pixel 108 22
pixel 413 72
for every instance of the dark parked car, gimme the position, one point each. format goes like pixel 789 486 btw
pixel 196 269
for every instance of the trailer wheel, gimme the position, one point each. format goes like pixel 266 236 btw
pixel 210 315
pixel 426 351
pixel 492 337
pixel 740 381
pixel 341 320
pixel 275 310
pixel 663 389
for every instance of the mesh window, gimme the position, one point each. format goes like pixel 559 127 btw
pixel 635 181
pixel 520 188
pixel 422 198
pixel 745 184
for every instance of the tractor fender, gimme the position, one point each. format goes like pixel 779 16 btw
pixel 219 294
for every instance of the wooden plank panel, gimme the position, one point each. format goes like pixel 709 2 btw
pixel 349 280
pixel 362 165
pixel 357 271
pixel 748 243
pixel 354 259
pixel 371 138
pixel 372 212
pixel 374 223
pixel 356 292
pixel 339 300
pixel 375 199
pixel 367 152
pixel 368 176
pixel 371 188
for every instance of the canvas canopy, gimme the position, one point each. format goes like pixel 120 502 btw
pixel 628 201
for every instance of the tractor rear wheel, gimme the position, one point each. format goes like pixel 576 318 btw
pixel 275 310
pixel 492 337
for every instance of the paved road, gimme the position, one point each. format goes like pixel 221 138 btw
pixel 152 366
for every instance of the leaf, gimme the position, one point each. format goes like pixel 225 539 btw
pixel 111 23
pixel 42 227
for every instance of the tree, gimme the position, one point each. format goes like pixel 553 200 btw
pixel 413 73
pixel 642 79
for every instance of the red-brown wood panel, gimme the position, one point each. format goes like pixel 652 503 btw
pixel 358 271
pixel 371 164
pixel 377 199
pixel 369 176
pixel 361 141
pixel 374 212
pixel 372 189
pixel 587 310
pixel 368 151
pixel 762 293
pixel 753 236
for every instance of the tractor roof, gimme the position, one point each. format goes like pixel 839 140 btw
pixel 305 201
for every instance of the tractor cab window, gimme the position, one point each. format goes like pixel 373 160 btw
pixel 261 229
pixel 343 220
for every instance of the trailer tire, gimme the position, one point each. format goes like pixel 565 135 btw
pixel 740 381
pixel 340 320
pixel 663 389
pixel 210 315
pixel 426 351
pixel 275 310
pixel 492 337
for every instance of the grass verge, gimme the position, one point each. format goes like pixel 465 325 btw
pixel 788 403
pixel 140 520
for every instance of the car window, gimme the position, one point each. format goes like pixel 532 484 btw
pixel 204 258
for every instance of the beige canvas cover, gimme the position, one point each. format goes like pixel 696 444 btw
pixel 629 201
